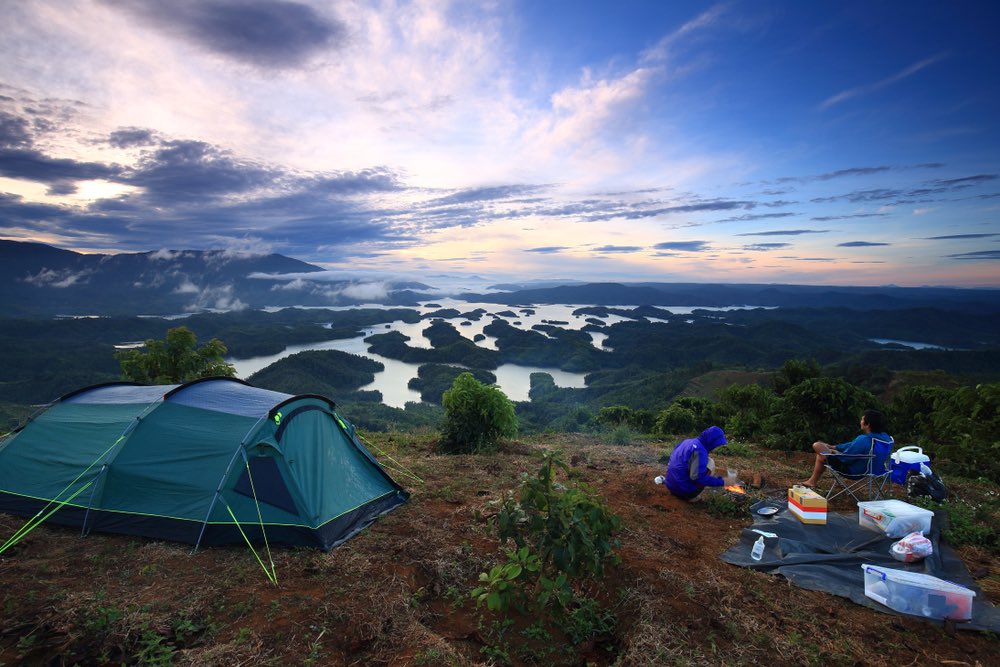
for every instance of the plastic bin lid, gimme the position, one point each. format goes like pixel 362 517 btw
pixel 917 579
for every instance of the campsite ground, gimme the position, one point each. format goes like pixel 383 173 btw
pixel 398 594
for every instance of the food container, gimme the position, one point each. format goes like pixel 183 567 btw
pixel 807 505
pixel 918 594
pixel 904 460
pixel 894 517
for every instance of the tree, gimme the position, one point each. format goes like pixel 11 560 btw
pixel 177 359
pixel 476 416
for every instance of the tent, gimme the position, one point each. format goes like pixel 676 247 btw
pixel 210 462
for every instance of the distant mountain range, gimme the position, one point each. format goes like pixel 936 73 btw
pixel 722 295
pixel 37 279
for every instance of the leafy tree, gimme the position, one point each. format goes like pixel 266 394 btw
pixel 476 416
pixel 818 408
pixel 176 359
pixel 675 420
pixel 748 408
pixel 794 372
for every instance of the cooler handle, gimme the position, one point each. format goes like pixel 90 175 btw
pixel 910 448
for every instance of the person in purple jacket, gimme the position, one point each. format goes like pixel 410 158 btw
pixel 687 472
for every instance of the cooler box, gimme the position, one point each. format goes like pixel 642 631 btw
pixel 807 505
pixel 904 460
pixel 918 594
pixel 894 517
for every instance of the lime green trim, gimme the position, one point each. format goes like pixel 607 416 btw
pixel 270 576
pixel 35 521
pixel 211 523
pixel 402 469
pixel 260 518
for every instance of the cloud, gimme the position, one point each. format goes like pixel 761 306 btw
pixel 129 137
pixel 58 279
pixel 765 247
pixel 270 34
pixel 949 237
pixel 860 244
pixel 684 246
pixel 13 130
pixel 618 249
pixel 547 250
pixel 979 254
pixel 32 165
pixel 827 218
pixel 486 194
pixel 878 85
pixel 786 232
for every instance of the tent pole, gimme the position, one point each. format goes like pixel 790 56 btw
pixel 218 489
pixel 90 501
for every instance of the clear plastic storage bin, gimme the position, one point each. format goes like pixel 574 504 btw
pixel 894 517
pixel 918 594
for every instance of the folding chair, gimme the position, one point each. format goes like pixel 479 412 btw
pixel 873 483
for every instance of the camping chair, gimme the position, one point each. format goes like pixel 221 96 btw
pixel 868 485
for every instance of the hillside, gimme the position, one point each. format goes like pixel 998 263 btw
pixel 398 594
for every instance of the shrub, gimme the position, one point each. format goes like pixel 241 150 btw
pixel 793 373
pixel 675 420
pixel 477 416
pixel 818 408
pixel 748 408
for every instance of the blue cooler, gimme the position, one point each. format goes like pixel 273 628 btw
pixel 906 459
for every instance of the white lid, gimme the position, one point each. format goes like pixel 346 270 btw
pixel 916 579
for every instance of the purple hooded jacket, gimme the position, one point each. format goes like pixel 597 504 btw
pixel 687 472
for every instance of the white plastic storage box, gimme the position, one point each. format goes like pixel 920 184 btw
pixel 894 517
pixel 918 594
pixel 904 460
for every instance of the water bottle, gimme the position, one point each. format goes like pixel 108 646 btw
pixel 758 548
pixel 658 479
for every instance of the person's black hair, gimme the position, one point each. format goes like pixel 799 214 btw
pixel 876 421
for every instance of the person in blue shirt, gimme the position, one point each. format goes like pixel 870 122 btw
pixel 873 424
pixel 688 469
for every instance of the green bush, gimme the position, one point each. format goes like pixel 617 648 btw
pixel 748 408
pixel 793 373
pixel 675 420
pixel 570 529
pixel 477 416
pixel 818 409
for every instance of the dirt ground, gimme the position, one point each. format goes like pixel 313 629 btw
pixel 398 594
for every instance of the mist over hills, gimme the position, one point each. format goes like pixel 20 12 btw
pixel 38 279
pixel 41 280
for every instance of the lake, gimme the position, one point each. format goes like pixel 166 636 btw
pixel 513 380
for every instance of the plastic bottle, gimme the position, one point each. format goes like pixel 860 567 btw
pixel 658 479
pixel 758 548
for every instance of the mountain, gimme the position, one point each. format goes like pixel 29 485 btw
pixel 38 279
pixel 759 295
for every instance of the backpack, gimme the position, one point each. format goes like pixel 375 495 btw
pixel 929 485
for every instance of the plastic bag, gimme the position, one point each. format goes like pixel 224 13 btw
pixel 926 484
pixel 912 548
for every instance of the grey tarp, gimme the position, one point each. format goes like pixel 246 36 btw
pixel 828 558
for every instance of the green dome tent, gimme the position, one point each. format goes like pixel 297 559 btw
pixel 214 461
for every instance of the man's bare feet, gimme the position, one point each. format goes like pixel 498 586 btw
pixel 809 482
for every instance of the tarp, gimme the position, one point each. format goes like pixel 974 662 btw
pixel 828 558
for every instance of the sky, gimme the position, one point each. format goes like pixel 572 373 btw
pixel 824 142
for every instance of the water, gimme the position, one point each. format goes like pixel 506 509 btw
pixel 908 343
pixel 513 380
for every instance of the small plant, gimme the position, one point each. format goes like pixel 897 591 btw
pixel 152 650
pixel 477 416
pixel 499 588
pixel 588 619
pixel 621 435
pixel 723 506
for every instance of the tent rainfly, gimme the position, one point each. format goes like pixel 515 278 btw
pixel 214 461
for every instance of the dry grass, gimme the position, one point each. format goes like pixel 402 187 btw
pixel 398 594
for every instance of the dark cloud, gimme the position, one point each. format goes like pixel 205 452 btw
pixel 786 232
pixel 859 244
pixel 31 165
pixel 765 247
pixel 547 250
pixel 856 171
pixel 13 131
pixel 750 217
pixel 127 137
pixel 265 33
pixel 618 248
pixel 935 188
pixel 979 254
pixel 950 237
pixel 684 246
pixel 828 218
pixel 188 172
pixel 486 194
pixel 376 179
